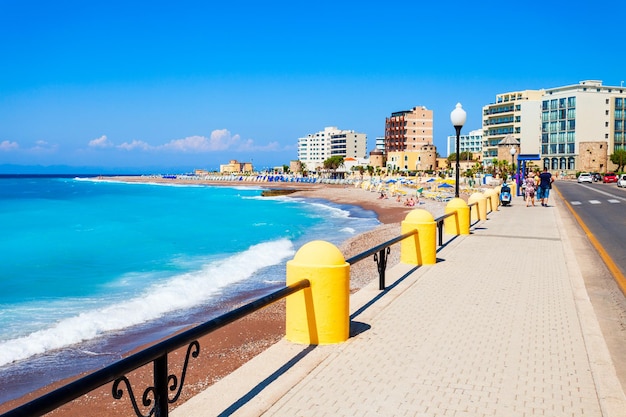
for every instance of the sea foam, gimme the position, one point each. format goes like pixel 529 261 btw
pixel 180 292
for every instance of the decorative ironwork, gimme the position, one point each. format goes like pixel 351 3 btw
pixel 161 384
pixel 173 378
pixel 146 401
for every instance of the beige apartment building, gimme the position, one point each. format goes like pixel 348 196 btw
pixel 517 114
pixel 409 140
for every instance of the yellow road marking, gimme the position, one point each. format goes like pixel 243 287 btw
pixel 617 274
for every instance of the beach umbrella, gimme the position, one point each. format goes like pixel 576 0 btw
pixel 445 185
pixel 431 180
pixel 390 180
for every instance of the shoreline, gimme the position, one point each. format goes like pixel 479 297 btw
pixel 228 348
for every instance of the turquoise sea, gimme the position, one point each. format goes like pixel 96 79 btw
pixel 93 268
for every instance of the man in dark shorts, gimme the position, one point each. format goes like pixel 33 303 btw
pixel 545 183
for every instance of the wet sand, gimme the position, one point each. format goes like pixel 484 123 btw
pixel 228 348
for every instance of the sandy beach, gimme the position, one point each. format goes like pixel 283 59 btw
pixel 228 348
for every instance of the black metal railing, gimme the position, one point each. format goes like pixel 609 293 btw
pixel 380 252
pixel 155 399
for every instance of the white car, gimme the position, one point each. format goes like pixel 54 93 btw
pixel 585 177
pixel 621 181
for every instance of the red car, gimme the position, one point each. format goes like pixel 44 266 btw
pixel 609 177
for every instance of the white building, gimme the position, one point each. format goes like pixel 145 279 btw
pixel 473 142
pixel 582 125
pixel 315 148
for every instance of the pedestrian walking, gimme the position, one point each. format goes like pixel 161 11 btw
pixel 545 184
pixel 529 191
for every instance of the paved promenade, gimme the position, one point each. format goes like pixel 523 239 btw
pixel 500 326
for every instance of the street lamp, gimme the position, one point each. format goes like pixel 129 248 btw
pixel 513 152
pixel 457 117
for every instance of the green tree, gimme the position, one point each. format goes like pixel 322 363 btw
pixel 333 162
pixel 451 159
pixel 618 157
pixel 463 156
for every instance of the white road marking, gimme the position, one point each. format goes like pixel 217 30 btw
pixel 594 202
pixel 575 203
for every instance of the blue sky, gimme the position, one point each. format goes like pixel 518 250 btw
pixel 191 84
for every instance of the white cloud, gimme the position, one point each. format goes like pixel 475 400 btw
pixel 7 146
pixel 135 144
pixel 220 140
pixel 101 142
pixel 43 146
pixel 250 146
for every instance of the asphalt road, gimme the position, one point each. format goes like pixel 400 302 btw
pixel 602 207
pixel 598 206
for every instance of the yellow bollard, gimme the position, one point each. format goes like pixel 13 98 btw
pixel 513 186
pixel 479 210
pixel 459 224
pixel 487 195
pixel 319 315
pixel 420 249
pixel 492 196
pixel 495 199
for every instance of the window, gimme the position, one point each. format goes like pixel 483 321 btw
pixel 570 163
pixel 571 113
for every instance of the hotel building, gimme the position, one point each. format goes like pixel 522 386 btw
pixel 582 125
pixel 573 128
pixel 473 142
pixel 315 148
pixel 409 140
pixel 517 114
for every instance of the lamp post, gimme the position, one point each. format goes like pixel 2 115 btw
pixel 513 152
pixel 457 117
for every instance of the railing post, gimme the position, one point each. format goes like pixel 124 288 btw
pixel 381 263
pixel 320 314
pixel 440 232
pixel 160 386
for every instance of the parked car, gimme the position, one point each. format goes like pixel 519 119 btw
pixel 609 177
pixel 621 182
pixel 596 176
pixel 585 177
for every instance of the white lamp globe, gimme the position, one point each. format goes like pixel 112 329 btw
pixel 458 116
